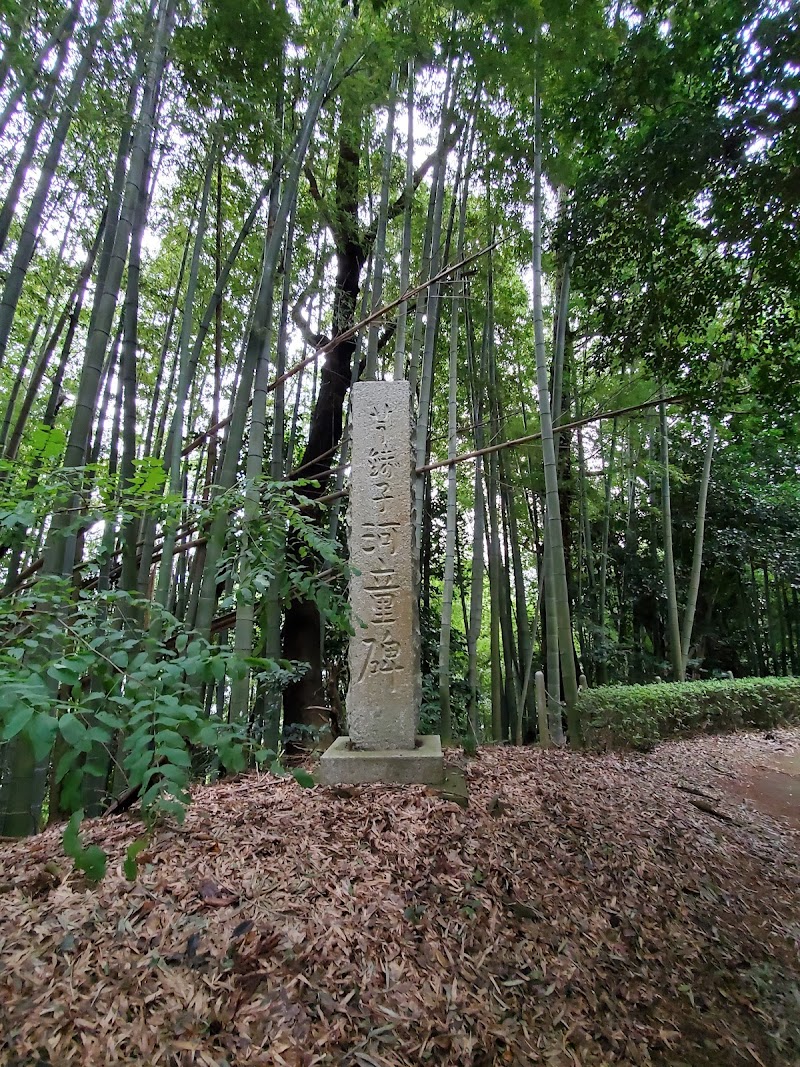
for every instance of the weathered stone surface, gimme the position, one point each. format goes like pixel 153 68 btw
pixel 453 787
pixel 385 687
pixel 343 765
pixel 385 690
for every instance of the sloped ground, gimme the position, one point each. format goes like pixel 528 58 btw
pixel 772 785
pixel 581 910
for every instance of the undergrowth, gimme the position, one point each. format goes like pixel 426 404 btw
pixel 641 715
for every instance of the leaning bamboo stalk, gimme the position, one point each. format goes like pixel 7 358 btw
pixel 452 515
pixel 57 552
pixel 476 381
pixel 351 331
pixel 528 438
pixel 22 171
pixel 405 254
pixel 74 302
pixel 379 254
pixel 207 598
pixel 279 217
pixel 674 630
pixel 556 592
pixel 31 226
pixel 172 457
pixel 26 83
pixel 697 554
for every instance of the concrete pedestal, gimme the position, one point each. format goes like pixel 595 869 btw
pixel 423 764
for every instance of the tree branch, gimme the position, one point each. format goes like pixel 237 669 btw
pixel 351 331
pixel 387 335
pixel 304 326
pixel 399 204
pixel 318 198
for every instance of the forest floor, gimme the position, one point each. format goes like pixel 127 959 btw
pixel 583 909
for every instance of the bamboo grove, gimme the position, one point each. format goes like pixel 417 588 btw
pixel 570 225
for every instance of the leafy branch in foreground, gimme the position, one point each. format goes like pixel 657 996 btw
pixel 106 696
pixel 112 705
pixel 113 710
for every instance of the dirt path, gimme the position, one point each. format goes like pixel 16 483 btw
pixel 772 785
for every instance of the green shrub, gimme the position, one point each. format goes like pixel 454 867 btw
pixel 83 686
pixel 641 715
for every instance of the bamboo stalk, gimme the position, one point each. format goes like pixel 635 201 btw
pixel 536 436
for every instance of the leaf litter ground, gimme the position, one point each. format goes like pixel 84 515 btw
pixel 584 909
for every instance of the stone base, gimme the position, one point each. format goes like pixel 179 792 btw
pixel 453 787
pixel 423 765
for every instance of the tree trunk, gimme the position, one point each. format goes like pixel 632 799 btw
pixel 556 576
pixel 477 386
pixel 304 700
pixel 127 367
pixel 26 84
pixel 524 641
pixel 495 648
pixel 405 254
pixel 629 541
pixel 22 170
pixel 172 456
pixel 370 371
pixel 510 666
pixel 771 645
pixel 603 577
pixel 697 555
pixel 69 315
pixel 674 642
pixel 216 538
pixel 421 432
pixel 33 219
pixel 57 552
pixel 450 544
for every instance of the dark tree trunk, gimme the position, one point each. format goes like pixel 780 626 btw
pixel 304 700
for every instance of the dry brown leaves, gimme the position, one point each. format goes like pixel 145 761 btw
pixel 582 910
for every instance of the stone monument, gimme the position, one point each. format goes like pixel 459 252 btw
pixel 385 689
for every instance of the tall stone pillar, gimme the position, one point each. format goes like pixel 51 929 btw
pixel 384 695
pixel 385 690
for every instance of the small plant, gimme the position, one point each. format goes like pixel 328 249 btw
pixel 86 678
pixel 90 858
pixel 469 744
pixel 106 694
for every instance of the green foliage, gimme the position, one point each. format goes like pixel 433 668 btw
pixel 107 688
pixel 264 559
pixel 86 675
pixel 35 488
pixel 469 745
pixel 680 213
pixel 230 57
pixel 672 154
pixel 641 715
pixel 90 859
pixel 129 865
pixel 430 712
pixel 754 502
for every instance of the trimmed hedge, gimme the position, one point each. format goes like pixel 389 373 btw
pixel 641 715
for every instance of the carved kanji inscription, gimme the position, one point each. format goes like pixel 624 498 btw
pixel 384 694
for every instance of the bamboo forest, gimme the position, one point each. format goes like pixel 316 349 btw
pixel 571 227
